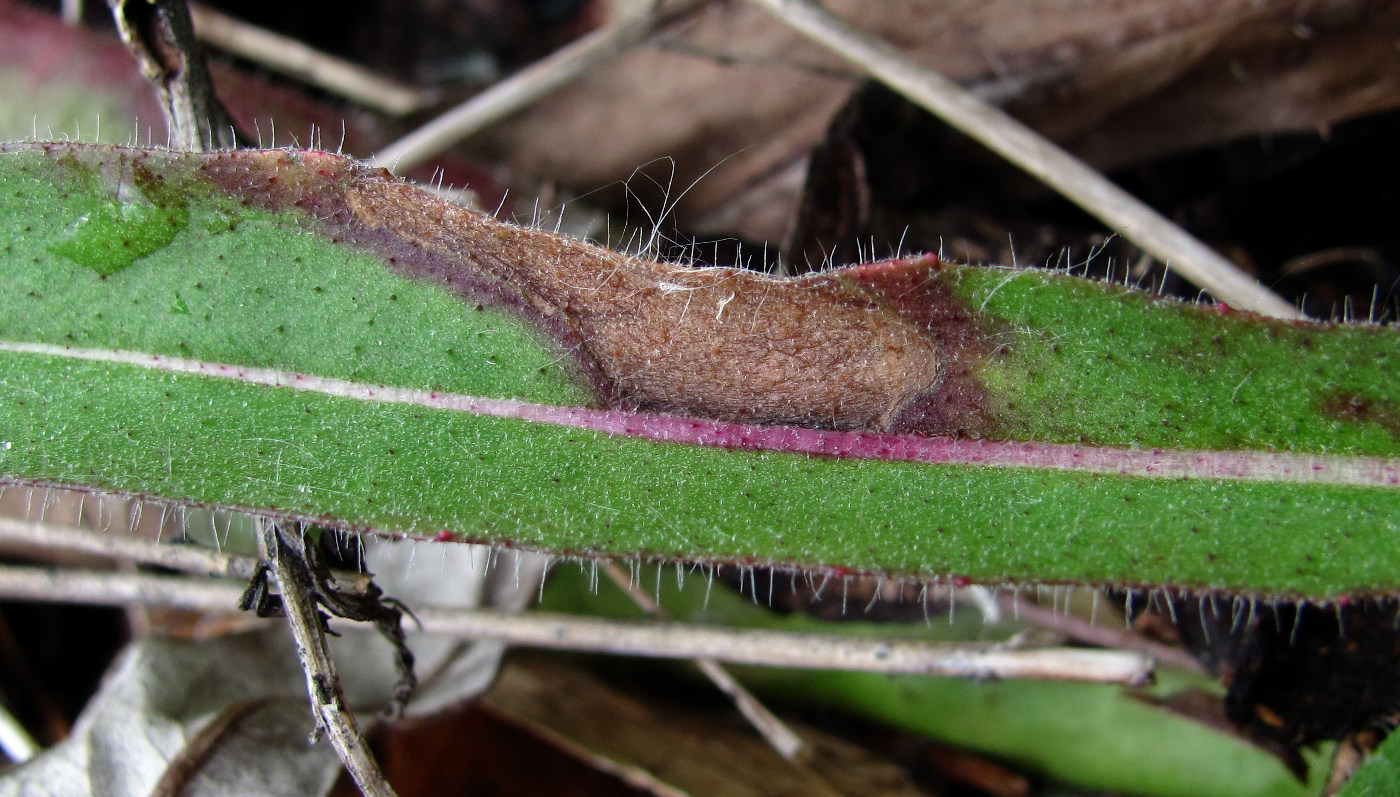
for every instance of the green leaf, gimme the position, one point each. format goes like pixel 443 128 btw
pixel 1379 776
pixel 1100 736
pixel 292 334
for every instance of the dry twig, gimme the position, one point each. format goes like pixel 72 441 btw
pixel 15 741
pixel 1078 628
pixel 1031 152
pixel 528 85
pixel 788 649
pixel 185 558
pixel 293 58
pixel 283 552
pixel 161 37
pixel 778 735
pixel 659 640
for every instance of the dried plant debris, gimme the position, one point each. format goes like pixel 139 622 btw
pixel 1306 214
pixel 1117 83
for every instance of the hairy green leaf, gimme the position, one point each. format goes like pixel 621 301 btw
pixel 292 334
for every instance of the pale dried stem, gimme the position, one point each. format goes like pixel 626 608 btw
pixel 72 12
pixel 15 741
pixel 293 58
pixel 523 88
pixel 185 558
pixel 281 551
pixel 1081 630
pixel 788 649
pixel 776 732
pixel 657 640
pixel 67 585
pixel 30 536
pixel 1031 152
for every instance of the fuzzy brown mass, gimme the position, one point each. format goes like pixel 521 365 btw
pixel 836 350
pixel 722 343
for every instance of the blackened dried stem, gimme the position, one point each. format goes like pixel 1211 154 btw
pixel 161 36
pixel 366 604
pixel 285 553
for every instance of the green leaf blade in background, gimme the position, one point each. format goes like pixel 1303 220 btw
pixel 273 264
pixel 1103 737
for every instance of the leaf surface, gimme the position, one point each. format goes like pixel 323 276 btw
pixel 1379 776
pixel 293 334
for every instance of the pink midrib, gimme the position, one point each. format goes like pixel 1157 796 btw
pixel 1147 463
